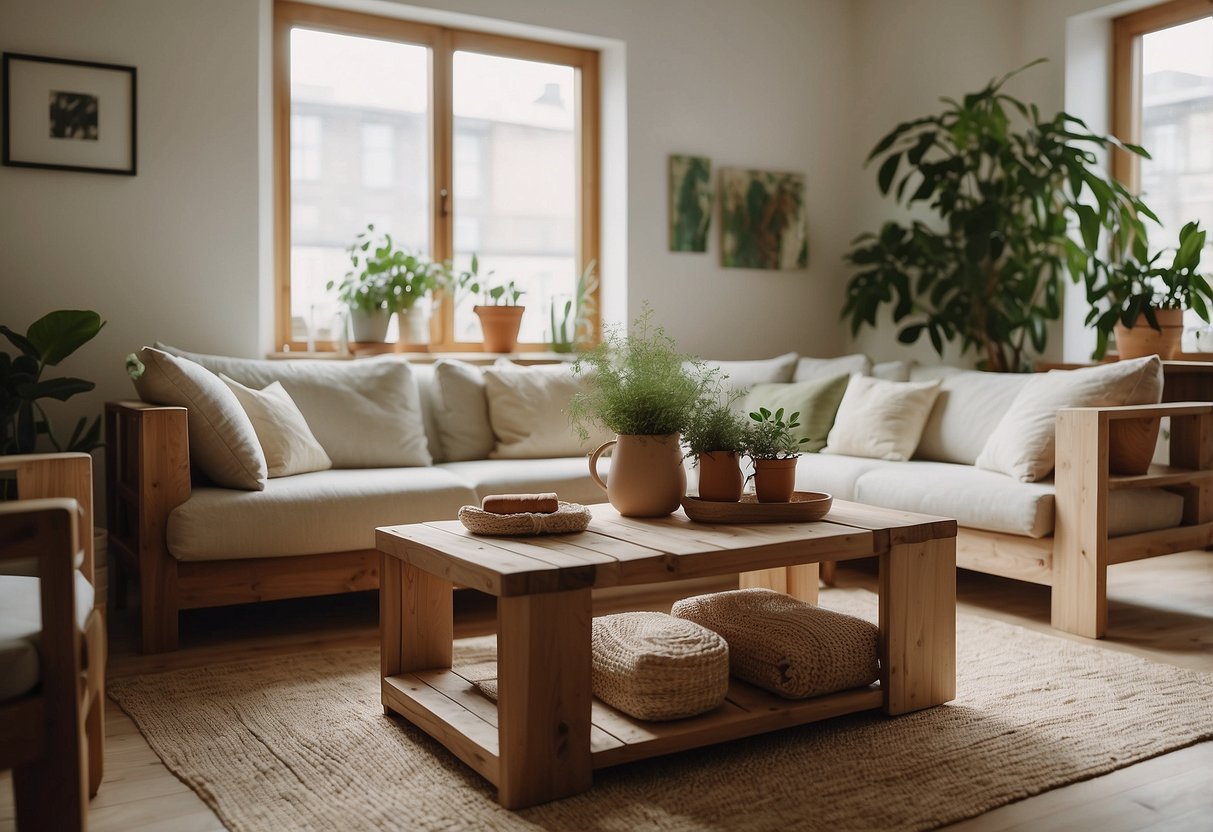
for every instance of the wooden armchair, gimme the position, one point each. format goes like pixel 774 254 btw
pixel 52 735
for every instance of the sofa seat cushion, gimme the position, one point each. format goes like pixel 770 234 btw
pixel 21 627
pixel 569 477
pixel 323 511
pixel 994 502
pixel 836 475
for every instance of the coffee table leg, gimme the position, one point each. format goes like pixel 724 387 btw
pixel 799 581
pixel 416 623
pixel 918 625
pixel 543 697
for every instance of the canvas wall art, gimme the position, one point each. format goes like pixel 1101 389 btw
pixel 762 220
pixel 690 202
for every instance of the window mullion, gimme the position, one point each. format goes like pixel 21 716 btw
pixel 442 244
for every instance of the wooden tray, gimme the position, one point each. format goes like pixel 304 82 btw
pixel 804 507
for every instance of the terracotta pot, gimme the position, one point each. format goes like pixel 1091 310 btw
pixel 647 478
pixel 1131 444
pixel 369 327
pixel 500 325
pixel 1142 339
pixel 720 476
pixel 774 479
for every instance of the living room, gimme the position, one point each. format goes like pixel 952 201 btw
pixel 194 250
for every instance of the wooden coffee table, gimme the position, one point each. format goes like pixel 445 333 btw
pixel 546 734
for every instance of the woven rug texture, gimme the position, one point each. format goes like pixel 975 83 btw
pixel 301 742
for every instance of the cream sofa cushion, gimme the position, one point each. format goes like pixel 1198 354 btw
pixel 324 511
pixel 568 476
pixel 835 474
pixel 365 413
pixel 528 411
pixel 223 443
pixel 809 369
pixel 287 441
pixel 881 419
pixel 968 408
pixel 892 370
pixel 742 375
pixel 21 630
pixel 461 409
pixel 1023 443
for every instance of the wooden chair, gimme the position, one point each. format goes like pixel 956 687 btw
pixel 52 737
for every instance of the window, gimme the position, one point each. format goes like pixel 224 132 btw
pixel 1163 100
pixel 457 143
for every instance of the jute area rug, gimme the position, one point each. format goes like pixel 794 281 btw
pixel 301 742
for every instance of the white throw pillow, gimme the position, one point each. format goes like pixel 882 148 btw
pixel 811 369
pixel 287 441
pixel 462 411
pixel 1023 445
pixel 881 419
pixel 528 411
pixel 222 441
pixel 365 413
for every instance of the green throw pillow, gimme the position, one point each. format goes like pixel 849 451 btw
pixel 817 401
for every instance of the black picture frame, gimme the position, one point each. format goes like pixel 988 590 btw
pixel 78 133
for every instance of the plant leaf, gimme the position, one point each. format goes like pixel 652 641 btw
pixel 58 334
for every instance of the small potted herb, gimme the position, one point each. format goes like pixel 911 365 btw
pixel 717 437
pixel 499 312
pixel 774 448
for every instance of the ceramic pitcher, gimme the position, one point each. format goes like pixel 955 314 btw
pixel 647 478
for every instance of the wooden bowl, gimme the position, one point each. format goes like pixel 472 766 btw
pixel 804 507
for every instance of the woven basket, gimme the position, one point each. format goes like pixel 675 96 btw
pixel 653 666
pixel 786 646
pixel 569 518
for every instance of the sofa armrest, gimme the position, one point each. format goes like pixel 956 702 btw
pixel 58 475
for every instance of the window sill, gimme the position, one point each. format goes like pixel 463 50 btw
pixel 542 357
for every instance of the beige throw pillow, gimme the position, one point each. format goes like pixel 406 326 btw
pixel 811 369
pixel 881 419
pixel 223 443
pixel 1023 445
pixel 287 441
pixel 527 409
pixel 462 411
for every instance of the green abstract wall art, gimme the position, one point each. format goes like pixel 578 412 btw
pixel 762 220
pixel 690 202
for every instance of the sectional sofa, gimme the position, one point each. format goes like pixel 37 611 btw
pixel 415 442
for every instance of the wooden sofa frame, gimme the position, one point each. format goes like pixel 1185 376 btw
pixel 148 475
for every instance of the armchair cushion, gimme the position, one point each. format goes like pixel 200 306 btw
pixel 21 626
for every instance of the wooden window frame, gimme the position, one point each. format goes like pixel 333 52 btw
pixel 442 42
pixel 1127 32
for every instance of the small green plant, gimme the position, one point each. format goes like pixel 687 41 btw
pixel 385 276
pixel 575 325
pixel 470 282
pixel 48 341
pixel 770 437
pixel 716 427
pixel 637 383
pixel 1122 289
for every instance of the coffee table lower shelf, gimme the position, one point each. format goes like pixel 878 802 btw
pixel 449 708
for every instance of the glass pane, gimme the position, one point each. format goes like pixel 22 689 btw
pixel 515 188
pixel 360 151
pixel 1177 127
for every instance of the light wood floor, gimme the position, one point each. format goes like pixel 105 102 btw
pixel 1161 609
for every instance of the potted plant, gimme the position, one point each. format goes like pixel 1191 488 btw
pixel 575 327
pixel 499 313
pixel 46 342
pixel 641 388
pixel 1141 300
pixel 385 280
pixel 716 437
pixel 774 449
pixel 1005 187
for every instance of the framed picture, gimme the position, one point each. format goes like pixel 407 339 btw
pixel 690 202
pixel 67 115
pixel 762 220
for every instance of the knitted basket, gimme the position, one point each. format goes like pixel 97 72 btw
pixel 653 666
pixel 786 646
pixel 569 518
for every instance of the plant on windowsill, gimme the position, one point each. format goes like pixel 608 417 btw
pixel 576 326
pixel 716 436
pixel 774 449
pixel 384 280
pixel 1005 187
pixel 46 342
pixel 641 388
pixel 1143 301
pixel 499 312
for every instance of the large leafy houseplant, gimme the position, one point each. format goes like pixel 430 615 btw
pixel 47 342
pixel 1007 188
